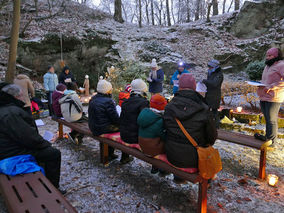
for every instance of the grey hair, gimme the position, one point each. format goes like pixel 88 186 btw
pixel 12 89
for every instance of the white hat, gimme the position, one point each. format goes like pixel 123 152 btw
pixel 138 85
pixel 104 86
pixel 86 76
pixel 101 77
pixel 154 63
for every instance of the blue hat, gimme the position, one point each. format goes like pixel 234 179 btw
pixel 214 63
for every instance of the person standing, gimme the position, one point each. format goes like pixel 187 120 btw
pixel 213 83
pixel 176 76
pixel 50 81
pixel 27 88
pixel 66 76
pixel 272 95
pixel 156 78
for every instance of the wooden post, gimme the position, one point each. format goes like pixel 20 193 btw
pixel 104 154
pixel 60 129
pixel 262 163
pixel 202 196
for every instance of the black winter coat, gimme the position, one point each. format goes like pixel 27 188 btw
pixel 128 119
pixel 214 83
pixel 18 132
pixel 189 107
pixel 63 76
pixel 102 113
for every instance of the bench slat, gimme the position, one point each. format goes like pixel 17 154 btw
pixel 239 138
pixel 35 191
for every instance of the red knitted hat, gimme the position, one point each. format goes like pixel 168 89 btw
pixel 158 102
pixel 187 81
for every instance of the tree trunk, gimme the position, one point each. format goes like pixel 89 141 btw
pixel 147 11
pixel 208 11
pixel 152 13
pixel 172 9
pixel 197 10
pixel 230 6
pixel 237 4
pixel 187 11
pixel 36 7
pixel 117 11
pixel 168 13
pixel 215 7
pixel 14 42
pixel 224 5
pixel 140 14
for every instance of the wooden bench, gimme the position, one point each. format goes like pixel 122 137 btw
pixel 104 143
pixel 250 141
pixel 32 193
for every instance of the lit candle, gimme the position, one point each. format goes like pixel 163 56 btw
pixel 272 180
pixel 239 109
pixel 86 100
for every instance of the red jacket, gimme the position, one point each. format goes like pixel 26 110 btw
pixel 273 78
pixel 122 97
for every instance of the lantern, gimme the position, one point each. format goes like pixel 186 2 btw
pixel 272 180
pixel 239 109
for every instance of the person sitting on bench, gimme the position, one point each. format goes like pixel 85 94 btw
pixel 72 110
pixel 129 113
pixel 103 117
pixel 19 135
pixel 189 107
pixel 151 128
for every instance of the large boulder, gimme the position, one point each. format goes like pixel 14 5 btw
pixel 255 18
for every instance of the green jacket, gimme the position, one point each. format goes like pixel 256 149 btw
pixel 150 124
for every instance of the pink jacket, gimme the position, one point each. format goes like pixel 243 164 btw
pixel 273 78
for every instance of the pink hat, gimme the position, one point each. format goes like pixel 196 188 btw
pixel 273 51
pixel 187 81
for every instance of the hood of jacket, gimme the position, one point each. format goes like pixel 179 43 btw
pixel 186 103
pixel 148 117
pixel 21 77
pixel 6 99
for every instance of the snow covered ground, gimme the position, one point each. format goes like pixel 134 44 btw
pixel 131 188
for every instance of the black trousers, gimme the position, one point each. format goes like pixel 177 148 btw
pixel 50 158
pixel 49 98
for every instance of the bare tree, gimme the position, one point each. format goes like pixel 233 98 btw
pixel 237 4
pixel 152 13
pixel 230 6
pixel 224 6
pixel 197 10
pixel 208 11
pixel 147 10
pixel 168 13
pixel 117 11
pixel 14 42
pixel 140 13
pixel 172 9
pixel 187 11
pixel 215 7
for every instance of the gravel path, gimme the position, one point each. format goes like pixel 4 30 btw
pixel 131 188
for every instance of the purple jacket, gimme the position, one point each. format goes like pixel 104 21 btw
pixel 56 95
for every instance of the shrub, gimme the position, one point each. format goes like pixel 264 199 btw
pixel 254 70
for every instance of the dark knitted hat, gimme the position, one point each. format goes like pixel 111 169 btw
pixel 61 87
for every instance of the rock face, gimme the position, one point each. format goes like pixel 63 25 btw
pixel 256 18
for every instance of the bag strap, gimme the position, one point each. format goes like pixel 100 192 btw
pixel 187 135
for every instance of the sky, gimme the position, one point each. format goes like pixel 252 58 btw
pixel 96 2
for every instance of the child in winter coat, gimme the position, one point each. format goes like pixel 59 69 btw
pixel 151 128
pixel 123 95
pixel 56 95
pixel 103 117
pixel 129 114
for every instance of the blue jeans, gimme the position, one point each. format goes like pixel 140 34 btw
pixel 270 111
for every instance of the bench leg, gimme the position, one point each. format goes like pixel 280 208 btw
pixel 262 164
pixel 104 153
pixel 60 129
pixel 202 196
